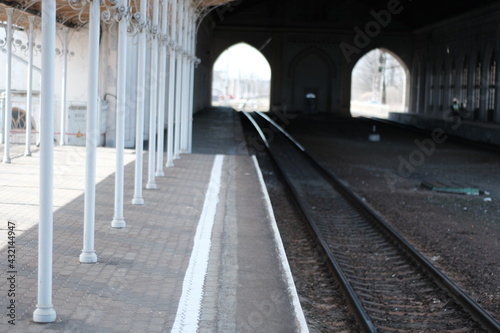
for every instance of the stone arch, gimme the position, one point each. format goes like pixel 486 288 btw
pixel 311 74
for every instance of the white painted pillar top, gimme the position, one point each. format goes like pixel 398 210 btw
pixel 173 24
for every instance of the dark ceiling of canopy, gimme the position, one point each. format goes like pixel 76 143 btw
pixel 412 14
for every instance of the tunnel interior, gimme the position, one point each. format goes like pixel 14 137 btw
pixel 313 49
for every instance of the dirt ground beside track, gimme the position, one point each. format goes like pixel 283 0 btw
pixel 459 233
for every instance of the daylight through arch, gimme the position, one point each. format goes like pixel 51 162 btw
pixel 379 85
pixel 241 79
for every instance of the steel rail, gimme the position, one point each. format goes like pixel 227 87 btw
pixel 351 297
pixel 484 318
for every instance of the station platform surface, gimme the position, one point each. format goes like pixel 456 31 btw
pixel 203 253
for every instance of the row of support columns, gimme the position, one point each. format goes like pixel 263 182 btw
pixel 5 139
pixel 172 34
pixel 172 42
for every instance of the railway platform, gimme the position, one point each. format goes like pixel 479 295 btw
pixel 203 254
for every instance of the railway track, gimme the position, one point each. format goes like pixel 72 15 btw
pixel 390 287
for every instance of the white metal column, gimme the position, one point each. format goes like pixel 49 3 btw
pixel 171 87
pixel 192 67
pixel 118 219
pixel 185 83
pixel 141 84
pixel 161 88
pixel 88 254
pixel 64 84
pixel 178 82
pixel 45 312
pixel 8 86
pixel 29 94
pixel 151 185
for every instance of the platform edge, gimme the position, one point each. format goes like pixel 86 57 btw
pixel 292 290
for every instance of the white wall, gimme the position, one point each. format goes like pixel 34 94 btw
pixel 76 92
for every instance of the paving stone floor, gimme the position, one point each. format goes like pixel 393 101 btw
pixel 138 280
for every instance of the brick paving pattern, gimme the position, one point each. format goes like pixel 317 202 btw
pixel 137 283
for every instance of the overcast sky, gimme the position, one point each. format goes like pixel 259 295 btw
pixel 244 59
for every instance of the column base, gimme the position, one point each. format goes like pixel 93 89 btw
pixel 44 314
pixel 160 174
pixel 138 201
pixel 169 164
pixel 151 186
pixel 118 223
pixel 28 153
pixel 88 257
pixel 6 160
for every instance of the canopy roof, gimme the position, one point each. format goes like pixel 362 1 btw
pixel 75 13
pixel 405 15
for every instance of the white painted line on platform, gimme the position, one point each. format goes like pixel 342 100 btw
pixel 188 311
pixel 299 314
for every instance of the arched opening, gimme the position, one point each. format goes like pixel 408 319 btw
pixel 311 75
pixel 19 119
pixel 241 79
pixel 379 85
